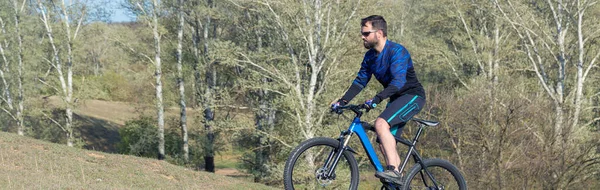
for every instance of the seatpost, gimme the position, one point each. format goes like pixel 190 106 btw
pixel 418 134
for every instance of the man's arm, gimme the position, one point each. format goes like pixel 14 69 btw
pixel 359 83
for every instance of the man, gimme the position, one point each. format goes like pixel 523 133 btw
pixel 392 66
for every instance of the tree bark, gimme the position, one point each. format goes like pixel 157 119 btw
pixel 158 76
pixel 180 83
pixel 20 107
pixel 211 77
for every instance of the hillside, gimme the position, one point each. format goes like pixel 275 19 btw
pixel 26 163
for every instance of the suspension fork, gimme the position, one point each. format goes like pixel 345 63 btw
pixel 336 154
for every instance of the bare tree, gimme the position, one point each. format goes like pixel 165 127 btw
pixel 313 44
pixel 57 62
pixel 545 29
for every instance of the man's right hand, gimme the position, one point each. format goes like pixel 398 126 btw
pixel 338 103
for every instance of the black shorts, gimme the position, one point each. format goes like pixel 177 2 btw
pixel 400 110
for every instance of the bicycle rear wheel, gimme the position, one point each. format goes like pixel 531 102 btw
pixel 306 167
pixel 446 175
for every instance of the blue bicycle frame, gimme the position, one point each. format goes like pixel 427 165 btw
pixel 357 128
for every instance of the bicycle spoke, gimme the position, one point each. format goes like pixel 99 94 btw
pixel 310 171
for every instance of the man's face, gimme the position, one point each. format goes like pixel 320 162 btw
pixel 369 36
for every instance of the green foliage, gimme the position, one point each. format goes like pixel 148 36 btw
pixel 109 86
pixel 139 138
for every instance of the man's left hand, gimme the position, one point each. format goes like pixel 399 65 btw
pixel 370 104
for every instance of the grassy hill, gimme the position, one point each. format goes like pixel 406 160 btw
pixel 26 163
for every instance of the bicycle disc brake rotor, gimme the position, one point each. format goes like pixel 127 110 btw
pixel 322 178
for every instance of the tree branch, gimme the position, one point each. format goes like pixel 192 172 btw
pixel 274 137
pixel 54 121
pixel 44 82
pixel 8 112
pixel 592 121
pixel 133 51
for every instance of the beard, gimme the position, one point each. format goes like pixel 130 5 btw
pixel 369 44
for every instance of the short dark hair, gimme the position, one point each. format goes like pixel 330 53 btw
pixel 377 22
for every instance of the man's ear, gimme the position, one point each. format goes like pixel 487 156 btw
pixel 380 33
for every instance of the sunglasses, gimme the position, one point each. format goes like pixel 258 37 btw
pixel 367 33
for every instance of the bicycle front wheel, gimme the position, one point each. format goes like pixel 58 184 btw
pixel 446 176
pixel 310 163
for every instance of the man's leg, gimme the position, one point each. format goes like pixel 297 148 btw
pixel 388 143
pixel 398 113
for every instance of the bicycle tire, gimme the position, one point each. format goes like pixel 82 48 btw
pixel 443 171
pixel 347 161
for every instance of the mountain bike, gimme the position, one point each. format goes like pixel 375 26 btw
pixel 327 163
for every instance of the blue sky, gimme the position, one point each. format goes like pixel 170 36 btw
pixel 119 14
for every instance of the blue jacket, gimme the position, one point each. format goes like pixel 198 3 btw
pixel 393 68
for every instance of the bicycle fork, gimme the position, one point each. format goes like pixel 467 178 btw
pixel 336 154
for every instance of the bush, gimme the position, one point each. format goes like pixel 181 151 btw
pixel 139 137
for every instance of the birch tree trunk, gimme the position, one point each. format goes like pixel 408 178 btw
pixel 209 115
pixel 158 76
pixel 180 82
pixel 204 86
pixel 20 109
pixel 6 95
pixel 196 26
pixel 583 70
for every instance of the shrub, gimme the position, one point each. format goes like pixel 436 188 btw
pixel 139 137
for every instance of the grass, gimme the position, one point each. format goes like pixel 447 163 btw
pixel 26 163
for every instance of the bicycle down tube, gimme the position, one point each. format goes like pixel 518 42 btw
pixel 357 128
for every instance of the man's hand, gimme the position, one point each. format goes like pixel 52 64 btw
pixel 370 104
pixel 338 103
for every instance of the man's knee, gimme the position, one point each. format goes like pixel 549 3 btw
pixel 381 124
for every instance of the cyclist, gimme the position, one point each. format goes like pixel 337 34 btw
pixel 393 68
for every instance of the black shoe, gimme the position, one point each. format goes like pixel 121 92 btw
pixel 391 176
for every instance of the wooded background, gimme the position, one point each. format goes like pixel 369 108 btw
pixel 515 84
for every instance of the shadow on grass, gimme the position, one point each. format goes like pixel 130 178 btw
pixel 97 134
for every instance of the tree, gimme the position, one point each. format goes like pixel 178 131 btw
pixel 547 30
pixel 180 80
pixel 149 12
pixel 57 61
pixel 6 97
pixel 313 44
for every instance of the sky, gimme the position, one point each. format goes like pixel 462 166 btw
pixel 119 14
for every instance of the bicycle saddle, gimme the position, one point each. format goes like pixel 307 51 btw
pixel 425 122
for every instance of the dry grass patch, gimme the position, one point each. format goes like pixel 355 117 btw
pixel 27 163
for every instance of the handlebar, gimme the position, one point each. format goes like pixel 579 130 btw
pixel 354 107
